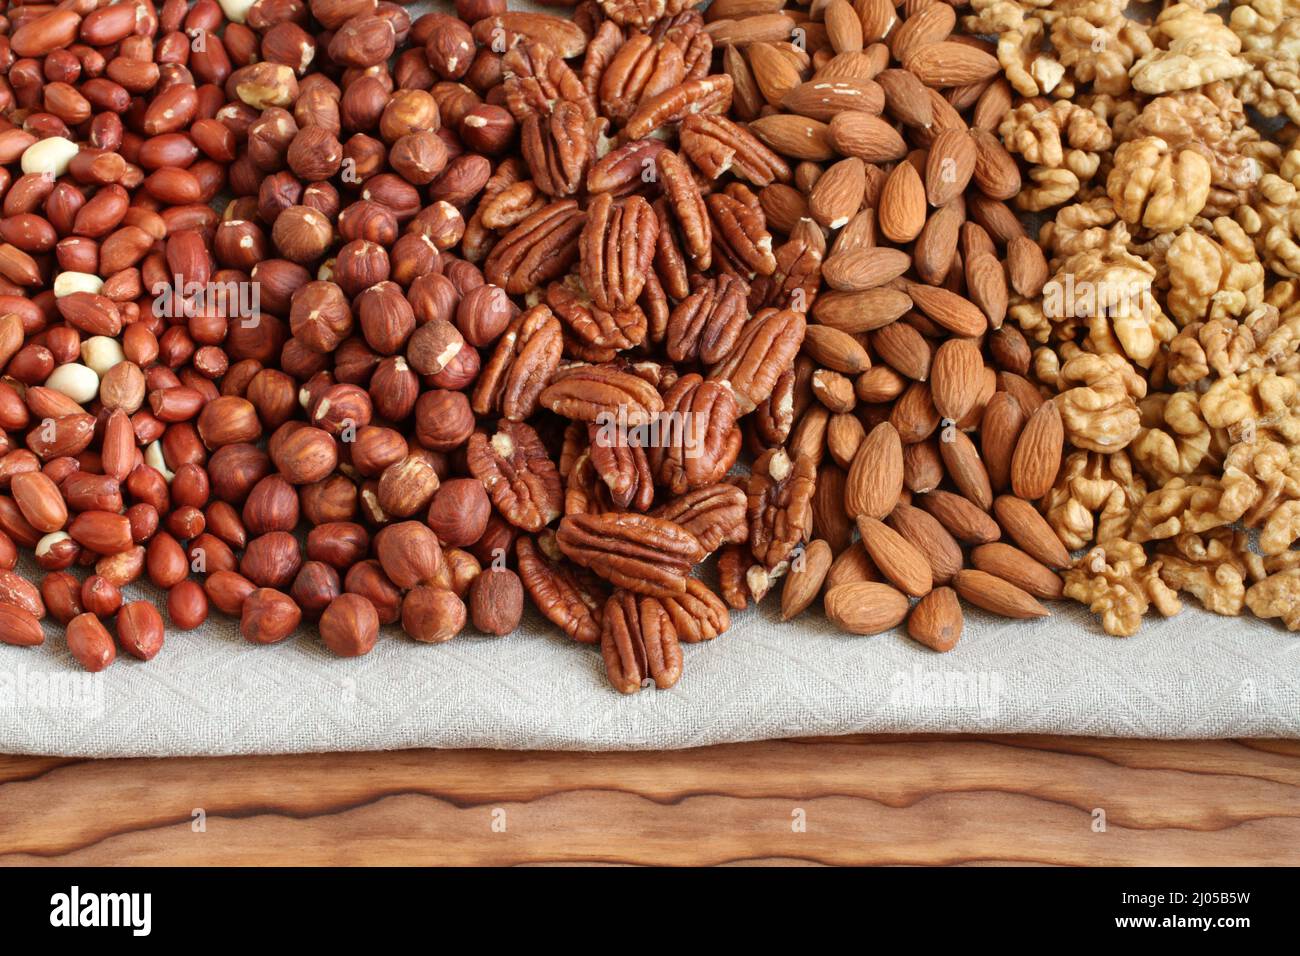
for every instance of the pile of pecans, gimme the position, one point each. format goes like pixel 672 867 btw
pixel 499 302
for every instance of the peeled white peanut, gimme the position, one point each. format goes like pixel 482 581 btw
pixel 66 283
pixel 49 156
pixel 101 353
pixel 153 457
pixel 47 543
pixel 76 381
pixel 236 11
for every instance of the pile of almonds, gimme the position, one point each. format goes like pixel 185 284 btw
pixel 499 302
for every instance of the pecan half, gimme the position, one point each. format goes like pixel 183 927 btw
pixel 622 465
pixel 617 248
pixel 716 514
pixel 688 208
pixel 518 474
pixel 698 440
pixel 699 614
pixel 638 642
pixel 641 13
pixel 588 392
pixel 708 94
pixel 798 273
pixel 526 356
pixel 717 145
pixel 584 492
pixel 596 331
pixel 780 506
pixel 774 417
pixel 705 325
pixel 767 347
pixel 539 249
pixel 566 600
pixel 624 169
pixel 642 68
pixel 741 241
pixel 633 551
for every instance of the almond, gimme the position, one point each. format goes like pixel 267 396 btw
pixel 903 349
pixel 898 560
pixel 804 581
pixel 856 312
pixel 797 137
pixel 955 376
pixel 878 19
pixel 996 173
pixel 901 210
pixel 844 435
pixel 865 607
pixel 961 517
pixel 875 480
pixel 993 105
pixel 1038 453
pixel 1026 266
pixel 924 532
pixel 837 195
pixel 851 566
pixel 930 24
pixel 986 284
pixel 962 462
pixel 1000 429
pixel 854 133
pixel 835 350
pixel 922 467
pixel 935 249
pixel 857 65
pixel 959 316
pixel 936 621
pixel 843 28
pixel 1011 564
pixel 948 63
pixel 829 520
pixel 1022 390
pixel 866 269
pixel 1027 528
pixel 824 99
pixel 763 28
pixel 949 166
pixel 774 73
pixel 996 595
pixel 906 98
pixel 914 414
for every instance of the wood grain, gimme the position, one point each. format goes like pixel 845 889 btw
pixel 888 800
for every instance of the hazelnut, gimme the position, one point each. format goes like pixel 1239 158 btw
pixel 363 157
pixel 459 512
pixel 459 373
pixel 319 316
pixel 229 420
pixel 233 470
pixel 360 265
pixel 496 601
pixel 419 157
pixel 306 455
pixel 433 297
pixel 268 616
pixel 386 318
pixel 409 553
pixel 370 221
pixel 349 626
pixel 362 104
pixel 363 41
pixel 269 138
pixel 409 111
pixel 290 44
pixel 462 180
pixel 264 85
pixel 450 47
pixel 407 486
pixel 394 389
pixel 442 223
pixel 331 499
pixel 272 505
pixel 324 198
pixel 341 410
pixel 339 544
pixel 443 419
pixel 433 346
pixel 411 257
pixel 462 569
pixel 274 395
pixel 315 154
pixel 314 587
pixel 484 313
pixel 302 234
pixel 488 129
pixel 368 580
pixel 271 560
pixel 432 615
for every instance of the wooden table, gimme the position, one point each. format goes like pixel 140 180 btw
pixel 915 800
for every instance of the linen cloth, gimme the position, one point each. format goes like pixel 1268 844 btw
pixel 209 692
